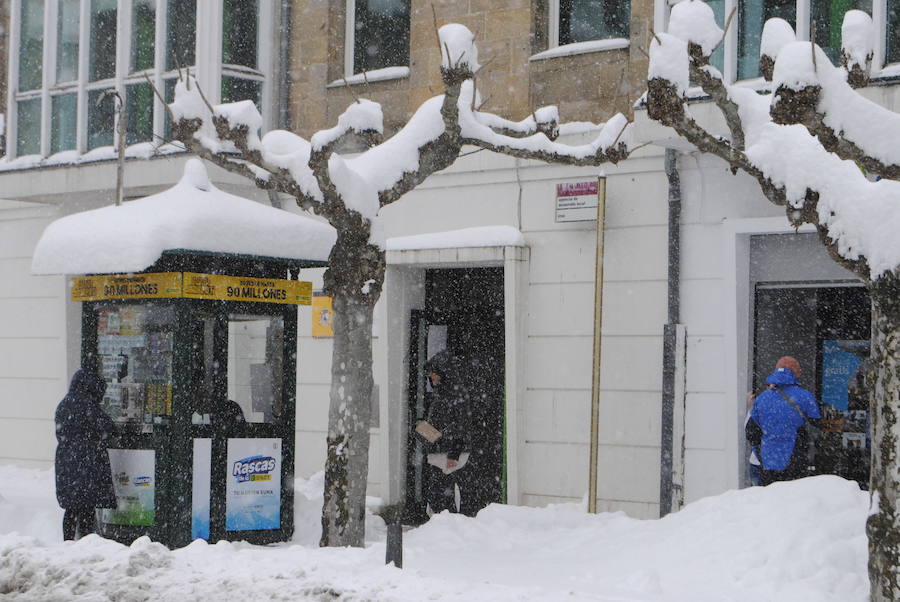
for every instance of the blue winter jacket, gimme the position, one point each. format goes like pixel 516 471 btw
pixel 779 421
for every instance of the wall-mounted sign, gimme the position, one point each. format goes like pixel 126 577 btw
pixel 127 286
pixel 253 485
pixel 577 201
pixel 192 286
pixel 241 288
pixel 322 316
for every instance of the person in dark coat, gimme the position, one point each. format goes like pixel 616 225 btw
pixel 449 413
pixel 83 476
pixel 777 423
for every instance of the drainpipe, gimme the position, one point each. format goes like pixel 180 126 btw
pixel 671 493
pixel 283 113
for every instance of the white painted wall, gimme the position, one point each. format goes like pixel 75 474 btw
pixel 33 371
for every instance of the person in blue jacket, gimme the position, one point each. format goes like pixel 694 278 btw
pixel 83 477
pixel 777 423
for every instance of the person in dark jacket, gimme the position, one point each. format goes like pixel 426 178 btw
pixel 777 423
pixel 83 476
pixel 449 413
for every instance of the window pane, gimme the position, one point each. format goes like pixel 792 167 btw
pixel 717 59
pixel 28 131
pixel 751 19
pixel 382 34
pixel 828 16
pixel 235 89
pixel 143 34
pixel 181 33
pixel 583 20
pixel 239 32
pixel 892 43
pixel 31 47
pixel 256 367
pixel 62 122
pixel 103 39
pixel 139 113
pixel 67 41
pixel 101 119
pixel 169 95
pixel 135 348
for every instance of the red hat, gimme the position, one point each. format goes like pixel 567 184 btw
pixel 788 362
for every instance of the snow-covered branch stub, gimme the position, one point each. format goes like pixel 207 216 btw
pixel 857 47
pixel 459 54
pixel 776 34
pixel 694 22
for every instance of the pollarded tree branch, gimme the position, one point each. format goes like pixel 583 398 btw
pixel 712 84
pixel 802 107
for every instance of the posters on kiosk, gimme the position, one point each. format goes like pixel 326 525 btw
pixel 253 485
pixel 200 488
pixel 134 482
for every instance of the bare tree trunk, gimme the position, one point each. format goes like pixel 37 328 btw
pixel 883 525
pixel 354 278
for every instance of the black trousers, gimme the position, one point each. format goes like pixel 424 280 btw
pixel 78 522
pixel 441 491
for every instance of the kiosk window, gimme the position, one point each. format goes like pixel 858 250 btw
pixel 256 365
pixel 134 343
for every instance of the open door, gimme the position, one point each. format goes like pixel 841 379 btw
pixel 464 314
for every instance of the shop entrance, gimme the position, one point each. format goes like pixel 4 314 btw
pixel 464 313
pixel 827 328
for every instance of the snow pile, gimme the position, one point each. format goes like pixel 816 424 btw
pixel 776 34
pixel 694 21
pixel 803 540
pixel 857 38
pixel 482 236
pixel 194 214
pixel 459 42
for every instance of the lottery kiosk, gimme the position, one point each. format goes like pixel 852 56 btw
pixel 199 353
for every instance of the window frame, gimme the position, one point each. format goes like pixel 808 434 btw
pixel 350 43
pixel 207 56
pixel 553 23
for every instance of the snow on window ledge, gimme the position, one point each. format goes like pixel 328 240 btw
pixel 377 75
pixel 141 150
pixel 581 48
pixel 888 71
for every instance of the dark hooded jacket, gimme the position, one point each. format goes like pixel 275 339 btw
pixel 83 478
pixel 776 426
pixel 449 409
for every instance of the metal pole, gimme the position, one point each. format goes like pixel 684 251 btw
pixel 120 162
pixel 595 377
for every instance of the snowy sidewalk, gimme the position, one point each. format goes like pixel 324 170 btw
pixel 801 541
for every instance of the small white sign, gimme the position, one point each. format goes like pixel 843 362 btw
pixel 577 201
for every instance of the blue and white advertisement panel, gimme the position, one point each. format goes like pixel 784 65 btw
pixel 253 485
pixel 200 489
pixel 840 359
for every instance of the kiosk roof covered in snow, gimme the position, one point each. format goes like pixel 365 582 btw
pixel 193 215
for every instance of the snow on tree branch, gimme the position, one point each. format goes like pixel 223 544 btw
pixel 855 217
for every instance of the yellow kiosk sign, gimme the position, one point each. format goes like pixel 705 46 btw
pixel 170 285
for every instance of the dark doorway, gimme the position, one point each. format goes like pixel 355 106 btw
pixel 463 314
pixel 827 328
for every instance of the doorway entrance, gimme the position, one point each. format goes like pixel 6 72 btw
pixel 826 326
pixel 464 314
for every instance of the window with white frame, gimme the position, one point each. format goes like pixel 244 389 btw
pixel 573 21
pixel 70 56
pixel 377 35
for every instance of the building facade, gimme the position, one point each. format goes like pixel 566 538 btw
pixel 517 301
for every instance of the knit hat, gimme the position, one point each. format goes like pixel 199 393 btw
pixel 788 362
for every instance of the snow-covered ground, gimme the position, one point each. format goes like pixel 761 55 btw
pixel 792 542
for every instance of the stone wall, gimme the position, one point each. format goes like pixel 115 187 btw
pixel 587 87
